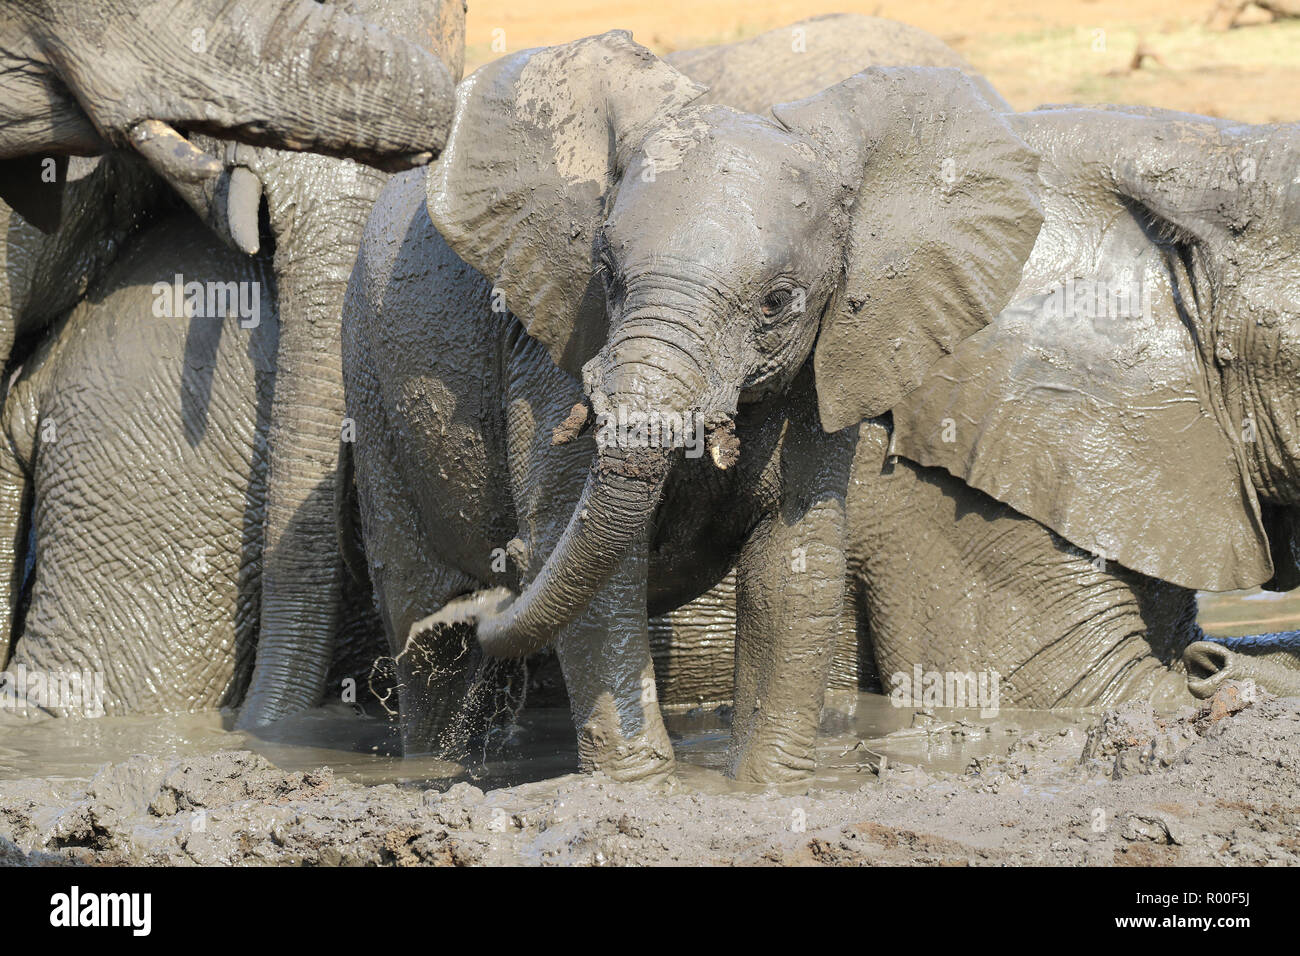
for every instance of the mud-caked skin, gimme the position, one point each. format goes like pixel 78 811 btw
pixel 138 442
pixel 618 220
pixel 694 645
pixel 1137 398
pixel 359 79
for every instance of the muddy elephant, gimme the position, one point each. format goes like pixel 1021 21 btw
pixel 636 281
pixel 694 645
pixel 280 84
pixel 1124 433
pixel 137 438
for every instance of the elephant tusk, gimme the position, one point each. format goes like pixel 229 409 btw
pixel 243 203
pixel 724 446
pixel 579 420
pixel 171 154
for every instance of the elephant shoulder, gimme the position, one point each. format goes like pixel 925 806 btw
pixel 405 270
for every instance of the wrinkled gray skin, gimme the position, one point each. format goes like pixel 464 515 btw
pixel 1062 627
pixel 317 209
pixel 1166 444
pixel 649 249
pixel 694 645
pixel 140 442
pixel 307 92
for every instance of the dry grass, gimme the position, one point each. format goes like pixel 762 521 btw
pixel 1034 52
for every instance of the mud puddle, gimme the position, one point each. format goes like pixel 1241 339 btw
pixel 537 746
pixel 1212 784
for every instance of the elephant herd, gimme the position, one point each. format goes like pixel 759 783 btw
pixel 787 365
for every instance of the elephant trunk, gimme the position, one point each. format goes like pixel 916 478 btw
pixel 317 220
pixel 648 377
pixel 1273 666
pixel 287 74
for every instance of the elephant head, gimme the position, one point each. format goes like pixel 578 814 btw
pixel 687 259
pixel 1162 435
pixel 80 77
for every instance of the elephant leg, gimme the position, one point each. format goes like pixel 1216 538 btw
pixel 694 648
pixel 789 610
pixel 433 670
pixel 605 657
pixel 604 652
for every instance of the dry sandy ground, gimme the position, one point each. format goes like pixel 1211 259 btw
pixel 1213 786
pixel 1034 51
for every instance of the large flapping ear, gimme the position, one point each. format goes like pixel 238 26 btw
pixel 1102 428
pixel 536 145
pixel 944 213
pixel 32 186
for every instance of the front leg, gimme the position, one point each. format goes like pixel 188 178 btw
pixel 605 656
pixel 790 602
pixel 605 652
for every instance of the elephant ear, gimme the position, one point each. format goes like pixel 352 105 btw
pixel 30 188
pixel 1102 429
pixel 536 145
pixel 944 214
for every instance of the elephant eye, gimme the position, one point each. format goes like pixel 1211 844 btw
pixel 775 301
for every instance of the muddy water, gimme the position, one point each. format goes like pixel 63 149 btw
pixel 540 745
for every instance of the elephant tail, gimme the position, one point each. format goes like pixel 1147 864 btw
pixel 348 511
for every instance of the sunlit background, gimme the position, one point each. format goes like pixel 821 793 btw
pixel 1034 51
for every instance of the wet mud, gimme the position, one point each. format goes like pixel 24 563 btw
pixel 1209 785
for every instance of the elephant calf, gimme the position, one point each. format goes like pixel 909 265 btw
pixel 754 284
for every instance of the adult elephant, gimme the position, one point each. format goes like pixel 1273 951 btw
pixel 136 434
pixel 293 75
pixel 619 221
pixel 1125 432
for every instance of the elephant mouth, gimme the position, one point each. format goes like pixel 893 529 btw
pixel 1208 666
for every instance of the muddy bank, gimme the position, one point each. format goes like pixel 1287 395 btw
pixel 1217 785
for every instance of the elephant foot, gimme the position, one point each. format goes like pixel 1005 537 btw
pixel 628 761
pixel 773 756
pixel 642 758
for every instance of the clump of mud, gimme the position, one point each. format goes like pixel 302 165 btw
pixel 1210 785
